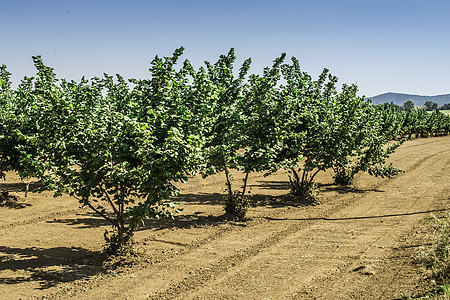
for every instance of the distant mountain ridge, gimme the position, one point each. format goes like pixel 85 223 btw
pixel 399 99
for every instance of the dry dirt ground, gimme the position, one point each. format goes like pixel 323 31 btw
pixel 355 243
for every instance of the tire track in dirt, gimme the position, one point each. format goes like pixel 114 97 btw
pixel 218 267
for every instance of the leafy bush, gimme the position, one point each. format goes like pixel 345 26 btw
pixel 235 206
pixel 93 143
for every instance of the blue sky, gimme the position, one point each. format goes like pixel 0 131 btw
pixel 383 46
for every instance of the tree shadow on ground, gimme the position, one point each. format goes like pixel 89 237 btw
pixel 19 186
pixel 91 220
pixel 50 266
pixel 272 185
pixel 183 222
pixel 86 220
pixel 255 200
pixel 322 187
pixel 199 219
pixel 201 198
pixel 343 189
pixel 11 201
pixel 281 201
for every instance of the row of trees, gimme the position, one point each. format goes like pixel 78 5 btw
pixel 118 145
pixel 416 122
pixel 446 106
pixel 428 106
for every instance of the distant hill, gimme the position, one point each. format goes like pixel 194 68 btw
pixel 399 99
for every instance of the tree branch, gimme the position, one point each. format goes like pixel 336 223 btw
pixel 112 221
pixel 116 211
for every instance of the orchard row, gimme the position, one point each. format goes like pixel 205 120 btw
pixel 118 145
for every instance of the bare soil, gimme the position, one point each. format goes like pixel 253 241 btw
pixel 354 243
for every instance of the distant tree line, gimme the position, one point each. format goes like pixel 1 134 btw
pixel 446 106
pixel 428 106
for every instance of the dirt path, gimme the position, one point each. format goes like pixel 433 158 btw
pixel 354 245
